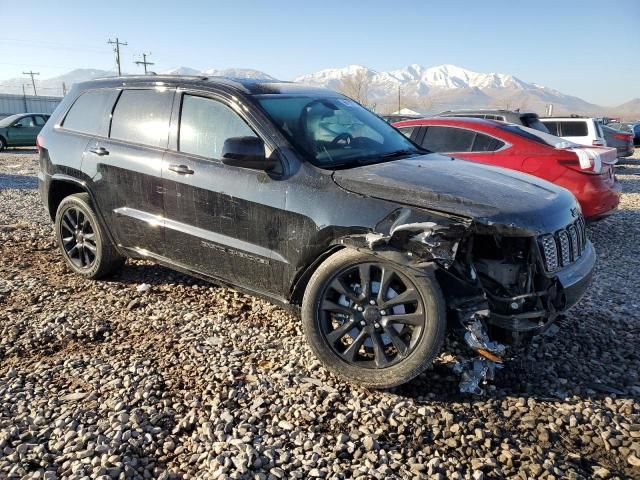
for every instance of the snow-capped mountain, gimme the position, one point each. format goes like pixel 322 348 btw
pixel 224 72
pixel 450 86
pixel 181 71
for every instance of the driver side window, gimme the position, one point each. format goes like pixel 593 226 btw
pixel 205 124
pixel 25 122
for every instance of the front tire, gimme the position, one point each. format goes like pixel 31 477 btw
pixel 3 144
pixel 84 244
pixel 373 322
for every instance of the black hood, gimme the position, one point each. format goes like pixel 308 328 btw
pixel 489 195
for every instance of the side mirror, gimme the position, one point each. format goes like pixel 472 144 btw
pixel 17 125
pixel 246 152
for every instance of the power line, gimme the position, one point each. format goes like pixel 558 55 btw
pixel 116 49
pixel 144 62
pixel 33 82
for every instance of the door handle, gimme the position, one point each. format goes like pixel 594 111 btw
pixel 100 151
pixel 181 169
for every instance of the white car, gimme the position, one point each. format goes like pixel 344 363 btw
pixel 581 130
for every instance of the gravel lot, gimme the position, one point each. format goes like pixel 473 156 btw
pixel 153 374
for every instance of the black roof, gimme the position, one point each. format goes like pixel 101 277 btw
pixel 247 86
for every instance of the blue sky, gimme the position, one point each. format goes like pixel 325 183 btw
pixel 581 47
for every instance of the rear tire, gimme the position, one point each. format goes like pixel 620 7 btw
pixel 84 245
pixel 357 329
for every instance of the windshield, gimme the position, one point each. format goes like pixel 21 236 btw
pixel 538 136
pixel 5 122
pixel 336 132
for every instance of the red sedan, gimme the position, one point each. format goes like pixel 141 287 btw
pixel 587 172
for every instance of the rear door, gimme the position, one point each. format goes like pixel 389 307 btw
pixel 221 220
pixel 466 144
pixel 126 168
pixel 450 140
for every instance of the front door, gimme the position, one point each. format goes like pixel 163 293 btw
pixel 23 132
pixel 220 220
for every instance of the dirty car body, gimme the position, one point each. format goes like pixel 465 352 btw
pixel 509 251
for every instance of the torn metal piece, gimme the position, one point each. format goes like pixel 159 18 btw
pixel 477 337
pixel 475 372
pixel 481 369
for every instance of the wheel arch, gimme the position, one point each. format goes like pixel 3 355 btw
pixel 62 186
pixel 302 279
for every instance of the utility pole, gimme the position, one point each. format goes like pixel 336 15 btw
pixel 64 89
pixel 399 99
pixel 116 49
pixel 24 98
pixel 144 62
pixel 32 80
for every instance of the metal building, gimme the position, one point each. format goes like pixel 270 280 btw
pixel 10 104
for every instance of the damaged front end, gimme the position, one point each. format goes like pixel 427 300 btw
pixel 503 284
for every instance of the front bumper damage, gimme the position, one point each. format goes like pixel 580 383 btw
pixel 495 285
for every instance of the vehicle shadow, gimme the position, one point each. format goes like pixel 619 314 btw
pixel 570 361
pixel 25 182
pixel 22 150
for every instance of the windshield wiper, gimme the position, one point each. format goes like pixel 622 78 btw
pixel 398 153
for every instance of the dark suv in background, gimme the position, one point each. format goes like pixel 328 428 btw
pixel 305 197
pixel 527 119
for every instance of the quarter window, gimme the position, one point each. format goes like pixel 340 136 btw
pixel 205 124
pixel 407 131
pixel 90 112
pixel 448 139
pixel 142 116
pixel 485 143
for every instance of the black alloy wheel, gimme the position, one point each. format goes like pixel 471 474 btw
pixel 371 315
pixel 78 238
pixel 373 322
pixel 85 246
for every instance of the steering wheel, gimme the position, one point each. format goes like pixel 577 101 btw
pixel 342 137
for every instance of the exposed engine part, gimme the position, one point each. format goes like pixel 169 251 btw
pixel 480 369
pixel 474 372
pixel 477 338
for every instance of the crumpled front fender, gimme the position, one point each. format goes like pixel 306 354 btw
pixel 413 237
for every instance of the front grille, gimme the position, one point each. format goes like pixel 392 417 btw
pixel 564 247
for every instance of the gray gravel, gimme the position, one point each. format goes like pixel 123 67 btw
pixel 152 374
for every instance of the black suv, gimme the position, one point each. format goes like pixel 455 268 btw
pixel 527 119
pixel 305 197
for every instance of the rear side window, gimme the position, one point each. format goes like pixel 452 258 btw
pixel 553 127
pixel 40 121
pixel 205 124
pixel 142 116
pixel 90 112
pixel 448 139
pixel 485 143
pixel 574 129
